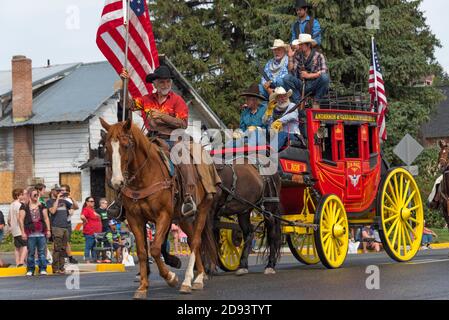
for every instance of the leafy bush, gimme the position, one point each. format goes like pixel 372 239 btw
pixel 77 237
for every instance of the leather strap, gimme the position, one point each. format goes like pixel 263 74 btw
pixel 148 191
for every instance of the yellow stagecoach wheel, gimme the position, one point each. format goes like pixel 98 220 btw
pixel 302 246
pixel 332 236
pixel 230 248
pixel 400 209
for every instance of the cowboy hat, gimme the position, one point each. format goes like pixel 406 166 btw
pixel 302 4
pixel 280 91
pixel 253 91
pixel 163 72
pixel 304 38
pixel 278 43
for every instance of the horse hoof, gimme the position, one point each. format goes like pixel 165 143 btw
pixel 185 289
pixel 140 295
pixel 197 286
pixel 241 272
pixel 269 271
pixel 173 283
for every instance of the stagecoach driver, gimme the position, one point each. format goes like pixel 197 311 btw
pixel 163 112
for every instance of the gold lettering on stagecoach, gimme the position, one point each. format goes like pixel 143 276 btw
pixel 344 117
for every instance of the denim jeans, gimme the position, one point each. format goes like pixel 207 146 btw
pixel 89 252
pixel 426 238
pixel 319 87
pixel 39 243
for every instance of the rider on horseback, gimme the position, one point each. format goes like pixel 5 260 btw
pixel 163 112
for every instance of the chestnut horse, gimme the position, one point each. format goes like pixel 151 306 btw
pixel 442 195
pixel 149 194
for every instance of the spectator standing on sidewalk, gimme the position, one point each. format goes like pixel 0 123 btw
pixel 2 233
pixel 91 225
pixel 59 210
pixel 103 212
pixel 35 227
pixel 20 245
pixel 65 189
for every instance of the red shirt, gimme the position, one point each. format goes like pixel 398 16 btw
pixel 93 224
pixel 173 106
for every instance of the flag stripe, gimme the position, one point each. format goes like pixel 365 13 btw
pixel 142 52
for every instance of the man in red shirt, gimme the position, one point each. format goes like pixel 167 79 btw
pixel 163 112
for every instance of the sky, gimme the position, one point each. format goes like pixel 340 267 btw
pixel 64 31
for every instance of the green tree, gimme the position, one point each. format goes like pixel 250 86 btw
pixel 218 45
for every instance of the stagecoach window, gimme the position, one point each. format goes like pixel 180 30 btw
pixel 371 140
pixel 352 142
pixel 327 144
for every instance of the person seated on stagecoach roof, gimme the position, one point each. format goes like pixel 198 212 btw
pixel 305 23
pixel 275 69
pixel 251 118
pixel 282 119
pixel 309 65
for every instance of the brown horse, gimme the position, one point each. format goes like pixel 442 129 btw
pixel 150 194
pixel 441 198
pixel 249 185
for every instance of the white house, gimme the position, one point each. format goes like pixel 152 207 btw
pixel 50 128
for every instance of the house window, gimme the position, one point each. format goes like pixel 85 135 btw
pixel 74 181
pixel 6 186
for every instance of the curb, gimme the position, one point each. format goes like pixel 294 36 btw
pixel 21 272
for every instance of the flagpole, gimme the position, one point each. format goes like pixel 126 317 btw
pixel 125 65
pixel 375 73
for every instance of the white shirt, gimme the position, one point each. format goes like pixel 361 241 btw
pixel 13 218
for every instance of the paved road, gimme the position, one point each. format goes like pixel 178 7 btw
pixel 424 278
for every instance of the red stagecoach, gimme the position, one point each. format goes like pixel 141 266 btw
pixel 337 182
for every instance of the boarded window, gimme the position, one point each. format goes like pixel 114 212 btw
pixel 74 181
pixel 6 185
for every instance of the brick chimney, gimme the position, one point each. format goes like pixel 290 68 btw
pixel 22 109
pixel 22 89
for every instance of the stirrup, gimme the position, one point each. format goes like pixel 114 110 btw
pixel 187 212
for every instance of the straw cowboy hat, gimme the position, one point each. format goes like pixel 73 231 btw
pixel 163 72
pixel 278 43
pixel 253 91
pixel 280 91
pixel 304 38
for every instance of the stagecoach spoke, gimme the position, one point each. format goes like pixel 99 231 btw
pixel 410 229
pixel 401 187
pixel 399 237
pixel 395 234
pixel 403 238
pixel 407 188
pixel 415 208
pixel 392 217
pixel 395 200
pixel 391 200
pixel 389 231
pixel 410 198
pixel 396 188
pixel 328 234
pixel 413 220
pixel 409 239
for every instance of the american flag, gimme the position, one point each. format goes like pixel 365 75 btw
pixel 142 52
pixel 377 90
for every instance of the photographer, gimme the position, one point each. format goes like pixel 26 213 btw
pixel 65 189
pixel 59 211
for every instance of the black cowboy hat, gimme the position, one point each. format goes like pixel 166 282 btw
pixel 253 91
pixel 163 72
pixel 302 4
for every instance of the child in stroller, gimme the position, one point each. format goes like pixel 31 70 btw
pixel 110 242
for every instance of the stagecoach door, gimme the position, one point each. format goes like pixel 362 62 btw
pixel 353 159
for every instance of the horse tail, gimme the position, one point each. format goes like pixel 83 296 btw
pixel 209 251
